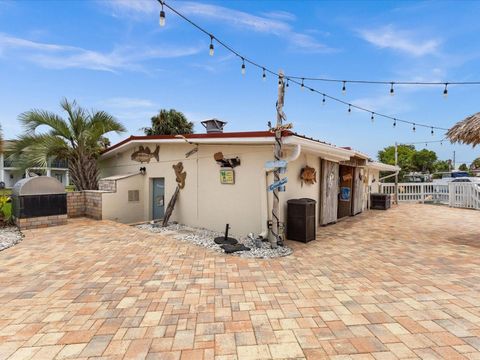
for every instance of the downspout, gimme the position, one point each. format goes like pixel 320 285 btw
pixel 264 181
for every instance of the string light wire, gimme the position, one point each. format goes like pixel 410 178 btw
pixel 301 80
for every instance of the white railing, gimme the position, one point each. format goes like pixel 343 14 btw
pixel 464 195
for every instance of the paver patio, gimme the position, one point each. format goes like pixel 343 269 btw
pixel 383 285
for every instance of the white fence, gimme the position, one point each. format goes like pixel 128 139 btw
pixel 462 195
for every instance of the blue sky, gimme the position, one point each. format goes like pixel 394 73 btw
pixel 112 55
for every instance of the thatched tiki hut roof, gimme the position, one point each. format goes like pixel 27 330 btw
pixel 466 131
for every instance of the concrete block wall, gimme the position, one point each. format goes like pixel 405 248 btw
pixel 41 222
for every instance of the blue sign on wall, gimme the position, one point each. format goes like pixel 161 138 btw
pixel 345 193
pixel 277 184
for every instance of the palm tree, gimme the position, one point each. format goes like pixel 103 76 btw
pixel 78 139
pixel 169 122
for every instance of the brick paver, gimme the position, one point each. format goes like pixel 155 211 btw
pixel 404 283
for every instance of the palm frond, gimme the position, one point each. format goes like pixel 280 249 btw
pixel 33 119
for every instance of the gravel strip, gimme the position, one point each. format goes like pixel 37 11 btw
pixel 204 237
pixel 9 236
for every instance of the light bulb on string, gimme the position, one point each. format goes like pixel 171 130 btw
pixel 344 88
pixel 394 122
pixel 162 16
pixel 432 132
pixel 243 66
pixel 264 76
pixel 445 91
pixel 441 143
pixel 349 109
pixel 392 91
pixel 323 100
pixel 413 129
pixel 288 82
pixel 372 117
pixel 302 86
pixel 211 50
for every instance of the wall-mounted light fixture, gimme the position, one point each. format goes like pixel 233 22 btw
pixel 143 170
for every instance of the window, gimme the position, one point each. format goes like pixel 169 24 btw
pixel 133 195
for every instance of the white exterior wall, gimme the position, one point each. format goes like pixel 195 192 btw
pixel 205 202
pixel 115 205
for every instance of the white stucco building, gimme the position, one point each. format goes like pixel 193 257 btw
pixel 216 194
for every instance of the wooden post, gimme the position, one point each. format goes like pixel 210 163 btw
pixel 275 238
pixel 396 174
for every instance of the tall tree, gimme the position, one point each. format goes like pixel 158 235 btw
pixel 475 163
pixel 77 139
pixel 463 167
pixel 424 160
pixel 405 155
pixel 169 122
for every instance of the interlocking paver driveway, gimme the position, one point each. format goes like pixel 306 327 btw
pixel 384 285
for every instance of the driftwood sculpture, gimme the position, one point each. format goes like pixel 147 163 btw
pixel 308 175
pixel 180 178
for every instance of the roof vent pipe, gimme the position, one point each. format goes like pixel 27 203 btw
pixel 214 126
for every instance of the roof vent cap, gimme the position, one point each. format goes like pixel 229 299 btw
pixel 214 126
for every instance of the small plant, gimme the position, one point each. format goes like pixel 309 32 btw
pixel 5 210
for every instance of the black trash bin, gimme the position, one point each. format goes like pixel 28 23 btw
pixel 301 219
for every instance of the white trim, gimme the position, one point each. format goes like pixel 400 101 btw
pixel 382 167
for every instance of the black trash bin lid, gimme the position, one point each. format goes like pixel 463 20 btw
pixel 301 201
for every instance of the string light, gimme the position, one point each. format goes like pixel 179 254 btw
pixel 323 101
pixel 288 83
pixel 264 76
pixel 372 117
pixel 162 15
pixel 349 108
pixel 391 90
pixel 295 81
pixel 414 127
pixel 394 122
pixel 445 91
pixel 211 51
pixel 432 132
pixel 344 88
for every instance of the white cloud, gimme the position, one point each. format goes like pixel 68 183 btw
pixel 388 37
pixel 386 104
pixel 64 56
pixel 127 103
pixel 274 23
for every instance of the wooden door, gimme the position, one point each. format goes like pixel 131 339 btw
pixel 158 198
pixel 346 191
pixel 358 191
pixel 328 192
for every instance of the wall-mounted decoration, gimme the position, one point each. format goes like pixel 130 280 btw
pixel 308 175
pixel 347 177
pixel 180 175
pixel 143 154
pixel 345 193
pixel 227 176
pixel 224 162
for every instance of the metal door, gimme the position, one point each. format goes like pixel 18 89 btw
pixel 158 199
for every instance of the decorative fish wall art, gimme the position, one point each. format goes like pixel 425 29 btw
pixel 143 154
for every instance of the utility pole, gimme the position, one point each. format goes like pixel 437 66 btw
pixel 275 238
pixel 396 173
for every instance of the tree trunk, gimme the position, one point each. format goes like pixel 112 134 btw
pixel 84 172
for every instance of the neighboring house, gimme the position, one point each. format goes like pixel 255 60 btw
pixel 216 194
pixel 10 174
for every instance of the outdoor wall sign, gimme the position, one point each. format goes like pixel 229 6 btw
pixel 308 175
pixel 143 154
pixel 345 194
pixel 276 164
pixel 227 176
pixel 347 177
pixel 277 184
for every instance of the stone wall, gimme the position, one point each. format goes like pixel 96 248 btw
pixel 41 222
pixel 86 203
pixel 75 204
